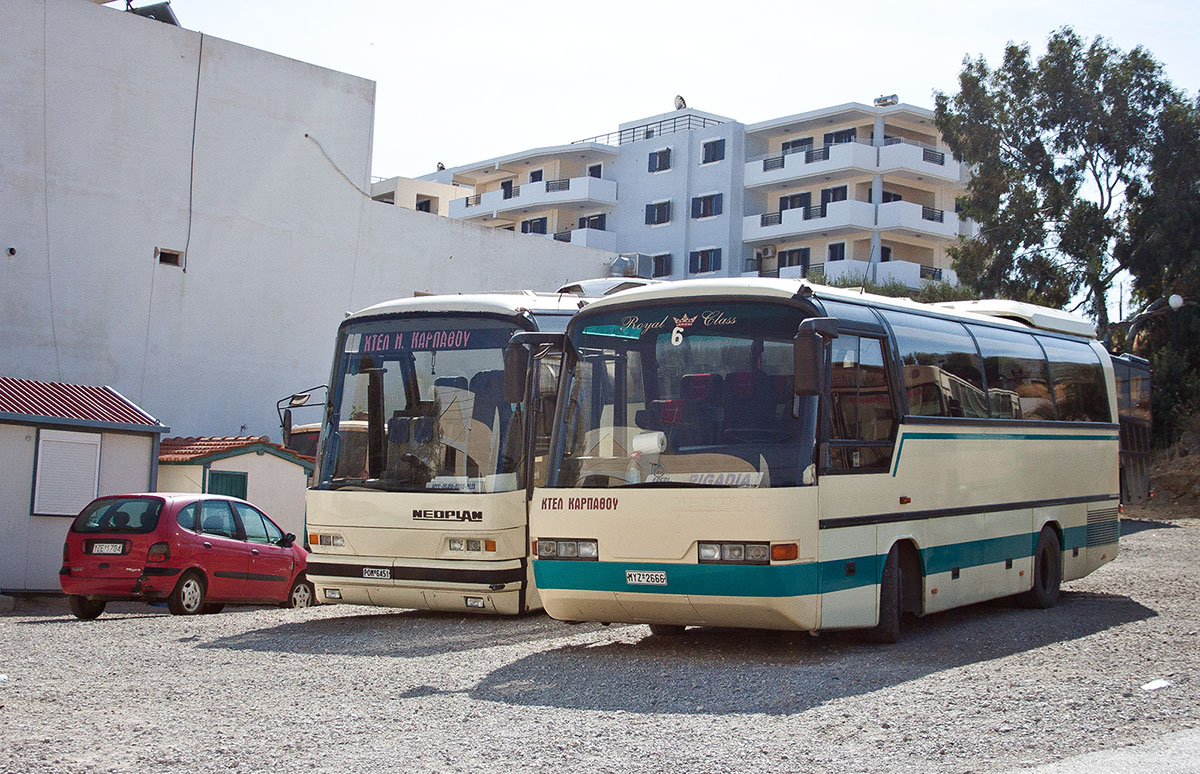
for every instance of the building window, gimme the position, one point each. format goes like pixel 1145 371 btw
pixel 596 222
pixel 67 472
pixel 836 252
pixel 594 170
pixel 662 265
pixel 424 205
pixel 795 257
pixel 706 206
pixel 837 138
pixel 888 196
pixel 837 194
pixel 535 175
pixel 658 213
pixel 533 226
pixel 885 253
pixel 507 188
pixel 169 257
pixel 227 482
pixel 700 261
pixel 660 160
pixel 795 201
pixel 798 146
pixel 714 150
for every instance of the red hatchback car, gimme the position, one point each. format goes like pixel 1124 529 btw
pixel 198 552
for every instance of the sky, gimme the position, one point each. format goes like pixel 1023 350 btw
pixel 463 81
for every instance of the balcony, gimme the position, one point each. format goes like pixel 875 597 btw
pixel 833 218
pixel 588 237
pixel 922 221
pixel 592 191
pixel 908 159
pixel 826 160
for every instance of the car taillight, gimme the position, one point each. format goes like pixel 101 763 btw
pixel 159 552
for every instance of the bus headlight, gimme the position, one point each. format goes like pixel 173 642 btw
pixel 733 553
pixel 475 545
pixel 332 541
pixel 569 549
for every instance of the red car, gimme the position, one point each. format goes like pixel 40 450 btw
pixel 198 552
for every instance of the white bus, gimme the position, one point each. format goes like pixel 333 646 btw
pixel 770 454
pixel 419 498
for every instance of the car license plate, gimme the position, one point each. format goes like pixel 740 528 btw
pixel 382 573
pixel 646 577
pixel 108 548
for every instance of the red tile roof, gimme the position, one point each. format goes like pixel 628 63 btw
pixel 80 402
pixel 192 448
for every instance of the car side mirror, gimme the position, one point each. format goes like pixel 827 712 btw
pixel 287 540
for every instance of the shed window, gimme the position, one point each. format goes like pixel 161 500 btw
pixel 67 473
pixel 227 482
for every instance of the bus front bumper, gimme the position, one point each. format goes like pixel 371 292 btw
pixel 479 587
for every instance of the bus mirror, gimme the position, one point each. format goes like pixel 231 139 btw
pixel 287 427
pixel 516 371
pixel 808 355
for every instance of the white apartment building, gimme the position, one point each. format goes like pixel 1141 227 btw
pixel 853 190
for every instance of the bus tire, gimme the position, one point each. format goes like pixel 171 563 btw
pixel 887 631
pixel 85 609
pixel 1047 572
pixel 187 598
pixel 666 630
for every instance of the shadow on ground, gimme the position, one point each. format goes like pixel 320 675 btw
pixel 1133 526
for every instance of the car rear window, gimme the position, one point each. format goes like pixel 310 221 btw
pixel 126 515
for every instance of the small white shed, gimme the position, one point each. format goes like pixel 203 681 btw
pixel 249 467
pixel 61 445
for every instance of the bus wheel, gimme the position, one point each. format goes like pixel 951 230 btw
pixel 887 631
pixel 666 630
pixel 1047 572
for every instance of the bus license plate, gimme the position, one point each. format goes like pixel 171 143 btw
pixel 108 548
pixel 646 577
pixel 382 573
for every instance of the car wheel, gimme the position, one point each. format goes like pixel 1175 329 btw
pixel 666 630
pixel 302 594
pixel 887 631
pixel 188 596
pixel 1047 572
pixel 209 609
pixel 85 609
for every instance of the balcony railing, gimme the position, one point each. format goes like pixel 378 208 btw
pixel 931 273
pixel 810 213
pixel 512 192
pixel 754 265
pixel 929 213
pixel 473 201
pixel 554 186
pixel 562 236
pixel 654 129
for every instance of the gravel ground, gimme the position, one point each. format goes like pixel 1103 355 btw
pixel 351 689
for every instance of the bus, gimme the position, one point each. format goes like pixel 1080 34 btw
pixel 425 459
pixel 1133 408
pixel 767 453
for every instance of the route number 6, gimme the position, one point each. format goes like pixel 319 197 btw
pixel 677 336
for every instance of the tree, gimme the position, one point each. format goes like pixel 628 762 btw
pixel 1055 147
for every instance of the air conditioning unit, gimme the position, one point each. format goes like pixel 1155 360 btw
pixel 767 251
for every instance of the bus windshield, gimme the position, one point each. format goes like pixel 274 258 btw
pixel 686 393
pixel 418 405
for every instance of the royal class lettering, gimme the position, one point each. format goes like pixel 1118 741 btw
pixel 432 515
pixel 717 318
pixel 711 319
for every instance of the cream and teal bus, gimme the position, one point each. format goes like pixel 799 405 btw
pixel 425 463
pixel 780 455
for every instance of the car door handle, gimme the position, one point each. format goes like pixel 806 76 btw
pixel 254 551
pixel 207 544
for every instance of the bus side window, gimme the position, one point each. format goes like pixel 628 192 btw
pixel 861 416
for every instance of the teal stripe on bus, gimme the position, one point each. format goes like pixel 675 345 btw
pixel 785 580
pixel 992 436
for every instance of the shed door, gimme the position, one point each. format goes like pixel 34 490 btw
pixel 229 483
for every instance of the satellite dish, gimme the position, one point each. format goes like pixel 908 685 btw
pixel 680 104
pixel 440 166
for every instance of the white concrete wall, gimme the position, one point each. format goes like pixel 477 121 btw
pixel 272 483
pixel 96 152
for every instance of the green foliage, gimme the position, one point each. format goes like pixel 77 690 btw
pixel 930 292
pixel 1055 146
